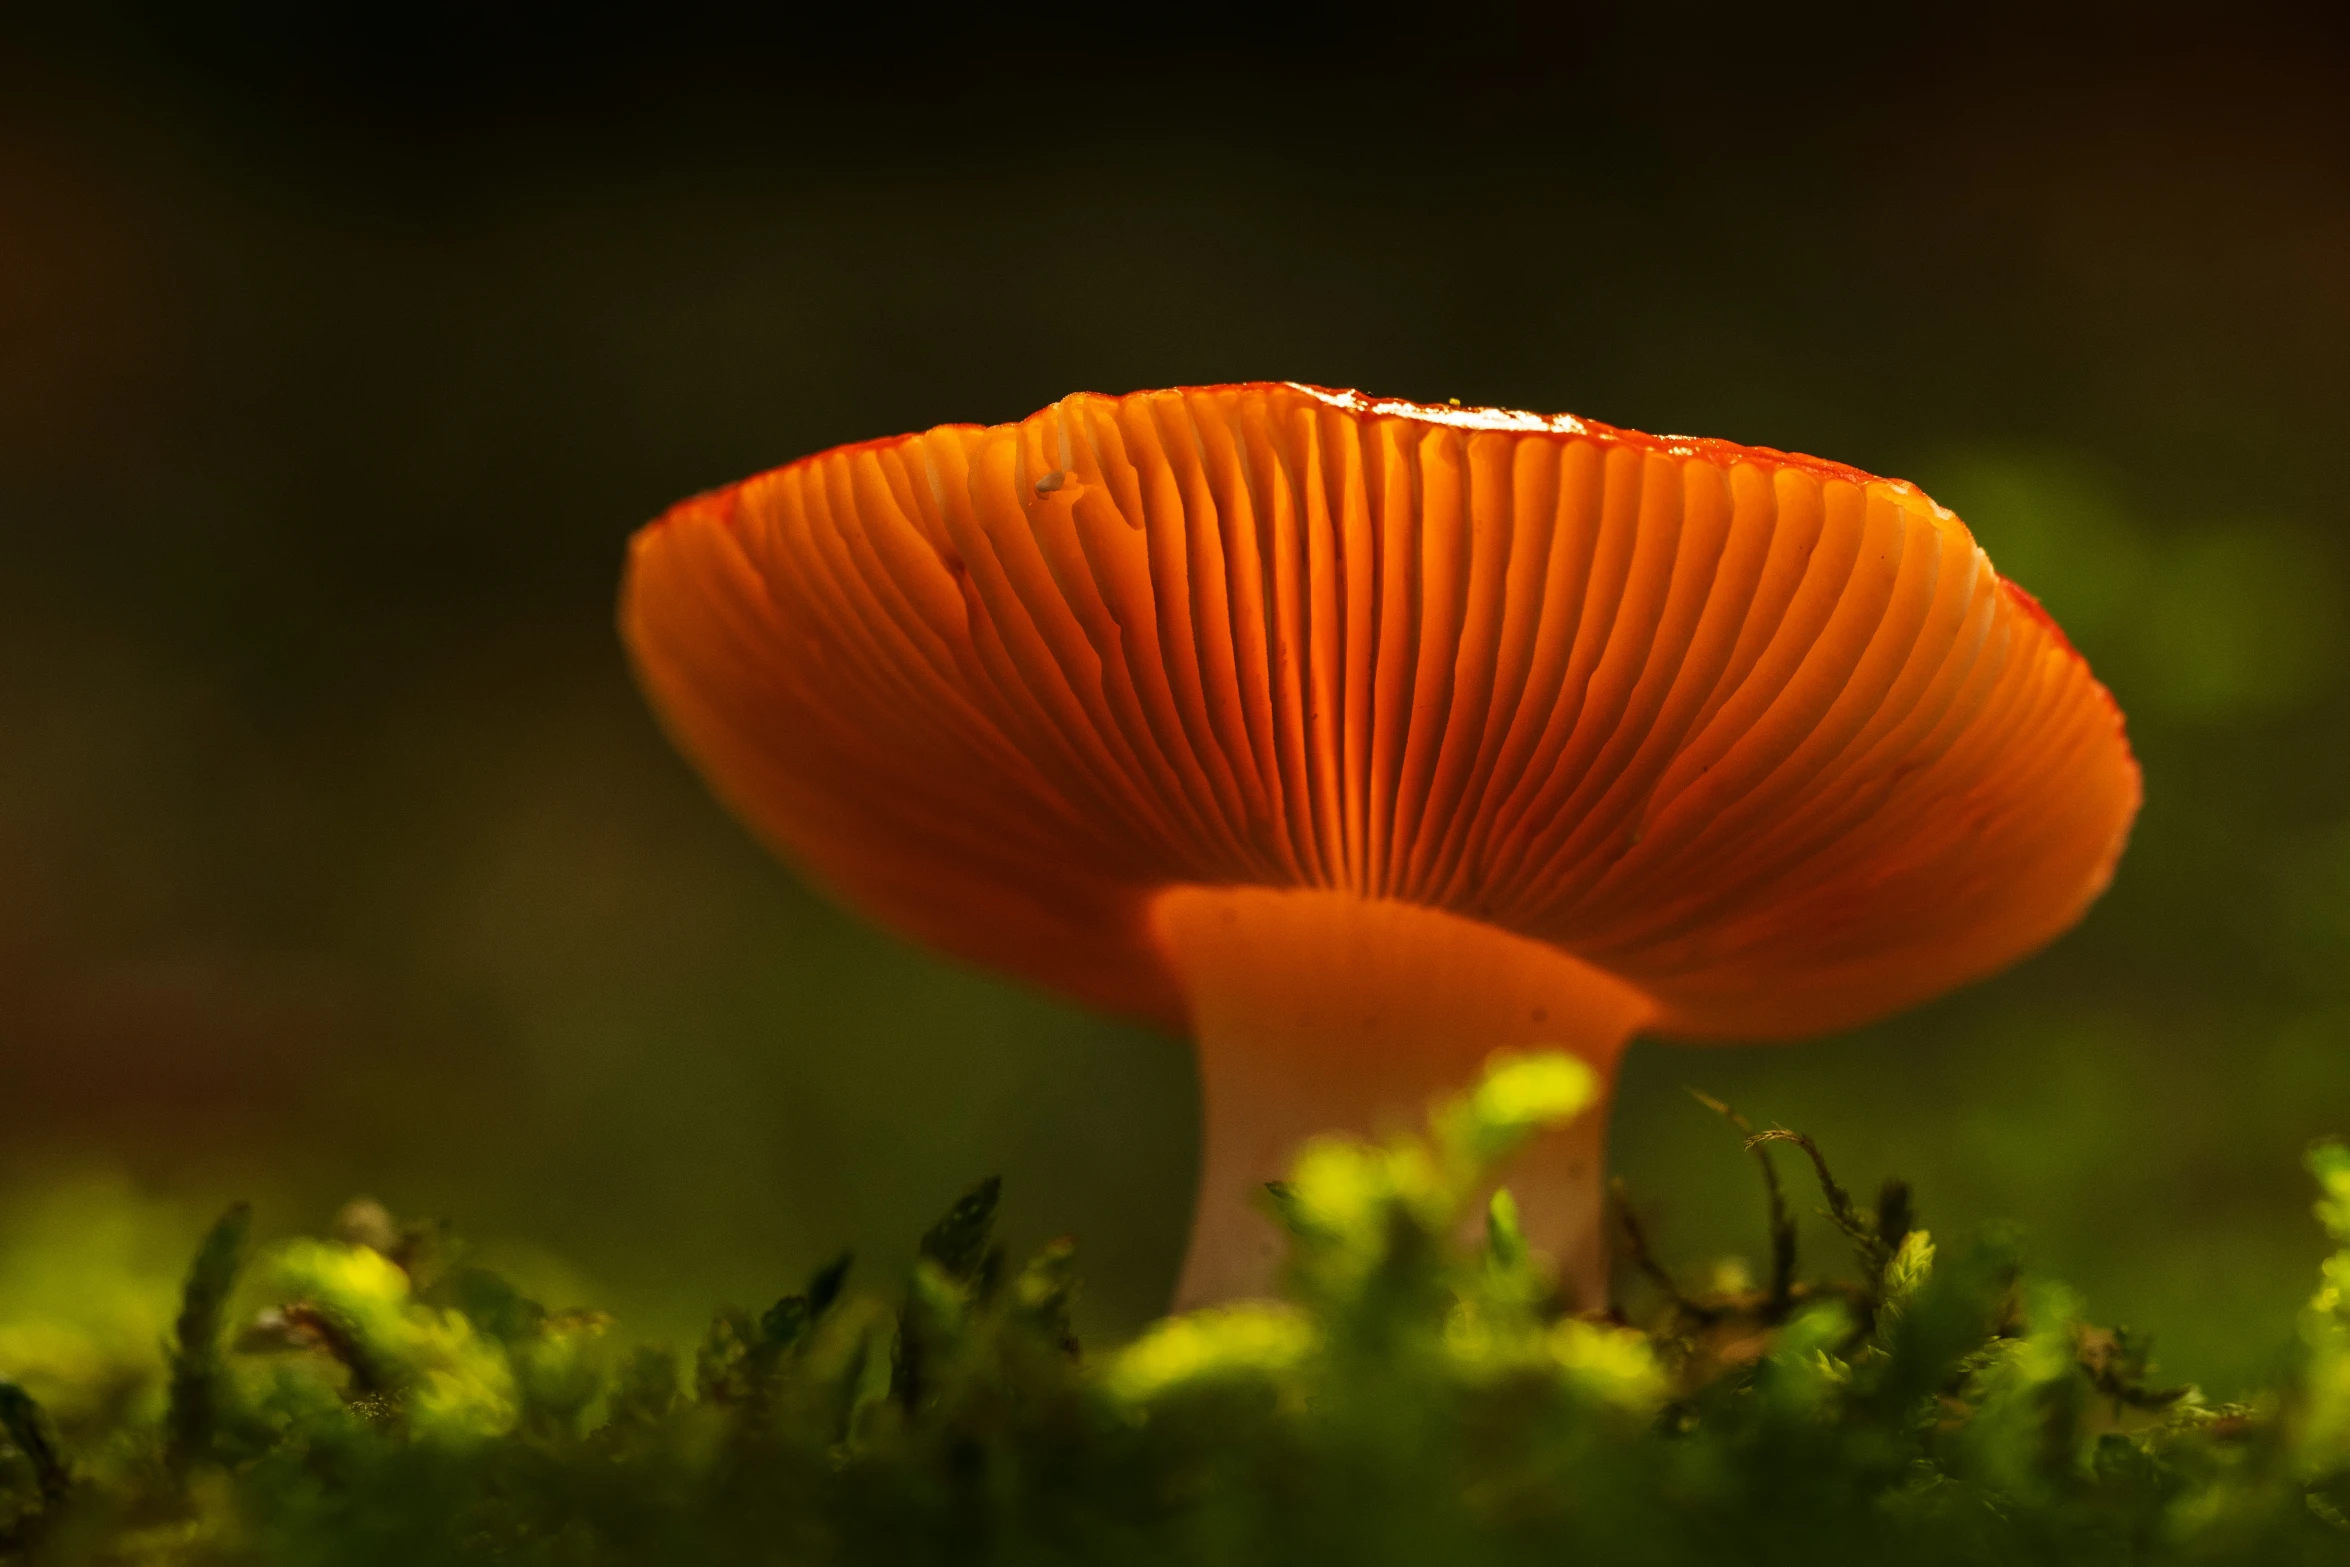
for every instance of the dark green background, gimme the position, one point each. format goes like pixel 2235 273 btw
pixel 341 348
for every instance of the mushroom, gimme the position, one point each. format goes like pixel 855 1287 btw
pixel 1359 739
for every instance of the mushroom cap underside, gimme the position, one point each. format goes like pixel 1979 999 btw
pixel 1762 735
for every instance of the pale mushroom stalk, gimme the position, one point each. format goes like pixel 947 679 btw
pixel 1318 1012
pixel 1357 739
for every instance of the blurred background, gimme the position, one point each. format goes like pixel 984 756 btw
pixel 341 347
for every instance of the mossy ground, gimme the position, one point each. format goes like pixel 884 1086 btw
pixel 1413 1398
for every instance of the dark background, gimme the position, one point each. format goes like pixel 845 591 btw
pixel 342 346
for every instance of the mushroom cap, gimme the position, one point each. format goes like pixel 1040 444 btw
pixel 1765 736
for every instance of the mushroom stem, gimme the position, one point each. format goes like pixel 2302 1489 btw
pixel 1320 1011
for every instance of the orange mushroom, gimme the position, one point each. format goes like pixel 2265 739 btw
pixel 1359 739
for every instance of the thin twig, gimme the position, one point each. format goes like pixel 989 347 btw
pixel 1874 1253
pixel 1644 1258
pixel 1782 1222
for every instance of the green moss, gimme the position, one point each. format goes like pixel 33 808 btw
pixel 1414 1398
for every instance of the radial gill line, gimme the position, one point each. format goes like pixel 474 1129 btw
pixel 1530 497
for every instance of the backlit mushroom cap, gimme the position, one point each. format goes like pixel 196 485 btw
pixel 1761 736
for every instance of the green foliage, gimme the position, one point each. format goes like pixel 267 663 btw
pixel 1414 1397
pixel 192 1419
